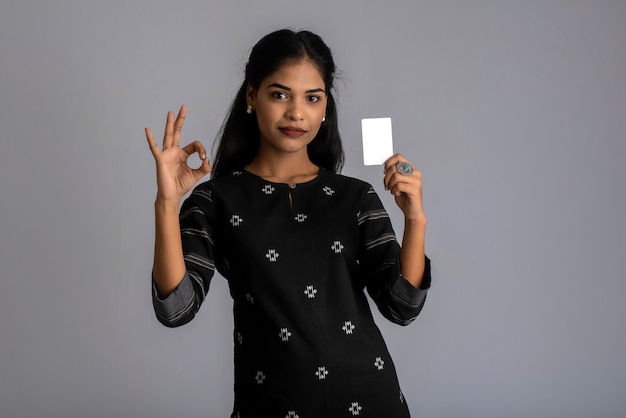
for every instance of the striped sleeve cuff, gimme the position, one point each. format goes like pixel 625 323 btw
pixel 409 300
pixel 409 295
pixel 178 307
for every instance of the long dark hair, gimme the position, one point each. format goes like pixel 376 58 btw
pixel 238 138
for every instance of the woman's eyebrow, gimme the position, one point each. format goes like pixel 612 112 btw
pixel 280 86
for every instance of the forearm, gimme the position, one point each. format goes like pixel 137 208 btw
pixel 412 253
pixel 169 266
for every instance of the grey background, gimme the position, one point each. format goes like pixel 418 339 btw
pixel 515 111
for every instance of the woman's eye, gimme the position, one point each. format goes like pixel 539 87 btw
pixel 313 99
pixel 279 95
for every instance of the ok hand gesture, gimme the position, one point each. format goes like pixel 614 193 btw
pixel 174 176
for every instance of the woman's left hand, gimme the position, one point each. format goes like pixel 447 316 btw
pixel 404 181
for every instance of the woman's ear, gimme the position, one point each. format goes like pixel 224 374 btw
pixel 250 95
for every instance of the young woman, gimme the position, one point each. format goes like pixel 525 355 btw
pixel 297 242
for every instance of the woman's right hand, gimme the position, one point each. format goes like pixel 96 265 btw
pixel 174 176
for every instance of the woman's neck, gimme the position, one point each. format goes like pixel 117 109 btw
pixel 284 170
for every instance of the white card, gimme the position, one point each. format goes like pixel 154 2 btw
pixel 377 140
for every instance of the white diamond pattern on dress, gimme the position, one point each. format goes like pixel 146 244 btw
pixel 301 217
pixel 321 373
pixel 284 334
pixel 236 220
pixel 328 191
pixel 348 327
pixel 379 363
pixel 355 408
pixel 260 377
pixel 268 189
pixel 272 255
pixel 310 291
pixel 337 247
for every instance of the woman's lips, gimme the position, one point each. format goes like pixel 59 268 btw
pixel 292 131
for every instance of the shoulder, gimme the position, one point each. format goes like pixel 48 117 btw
pixel 347 183
pixel 216 188
pixel 224 182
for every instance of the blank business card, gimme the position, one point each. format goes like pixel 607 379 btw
pixel 377 140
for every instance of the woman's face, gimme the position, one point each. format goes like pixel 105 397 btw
pixel 290 105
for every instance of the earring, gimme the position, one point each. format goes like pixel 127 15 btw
pixel 324 118
pixel 249 109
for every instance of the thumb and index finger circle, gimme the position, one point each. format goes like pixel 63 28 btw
pixel 197 147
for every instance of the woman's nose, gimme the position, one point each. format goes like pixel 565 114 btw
pixel 294 111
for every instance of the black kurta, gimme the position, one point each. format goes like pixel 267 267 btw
pixel 297 259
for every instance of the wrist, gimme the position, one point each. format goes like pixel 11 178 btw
pixel 416 221
pixel 163 204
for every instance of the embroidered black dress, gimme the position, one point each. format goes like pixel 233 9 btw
pixel 297 260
